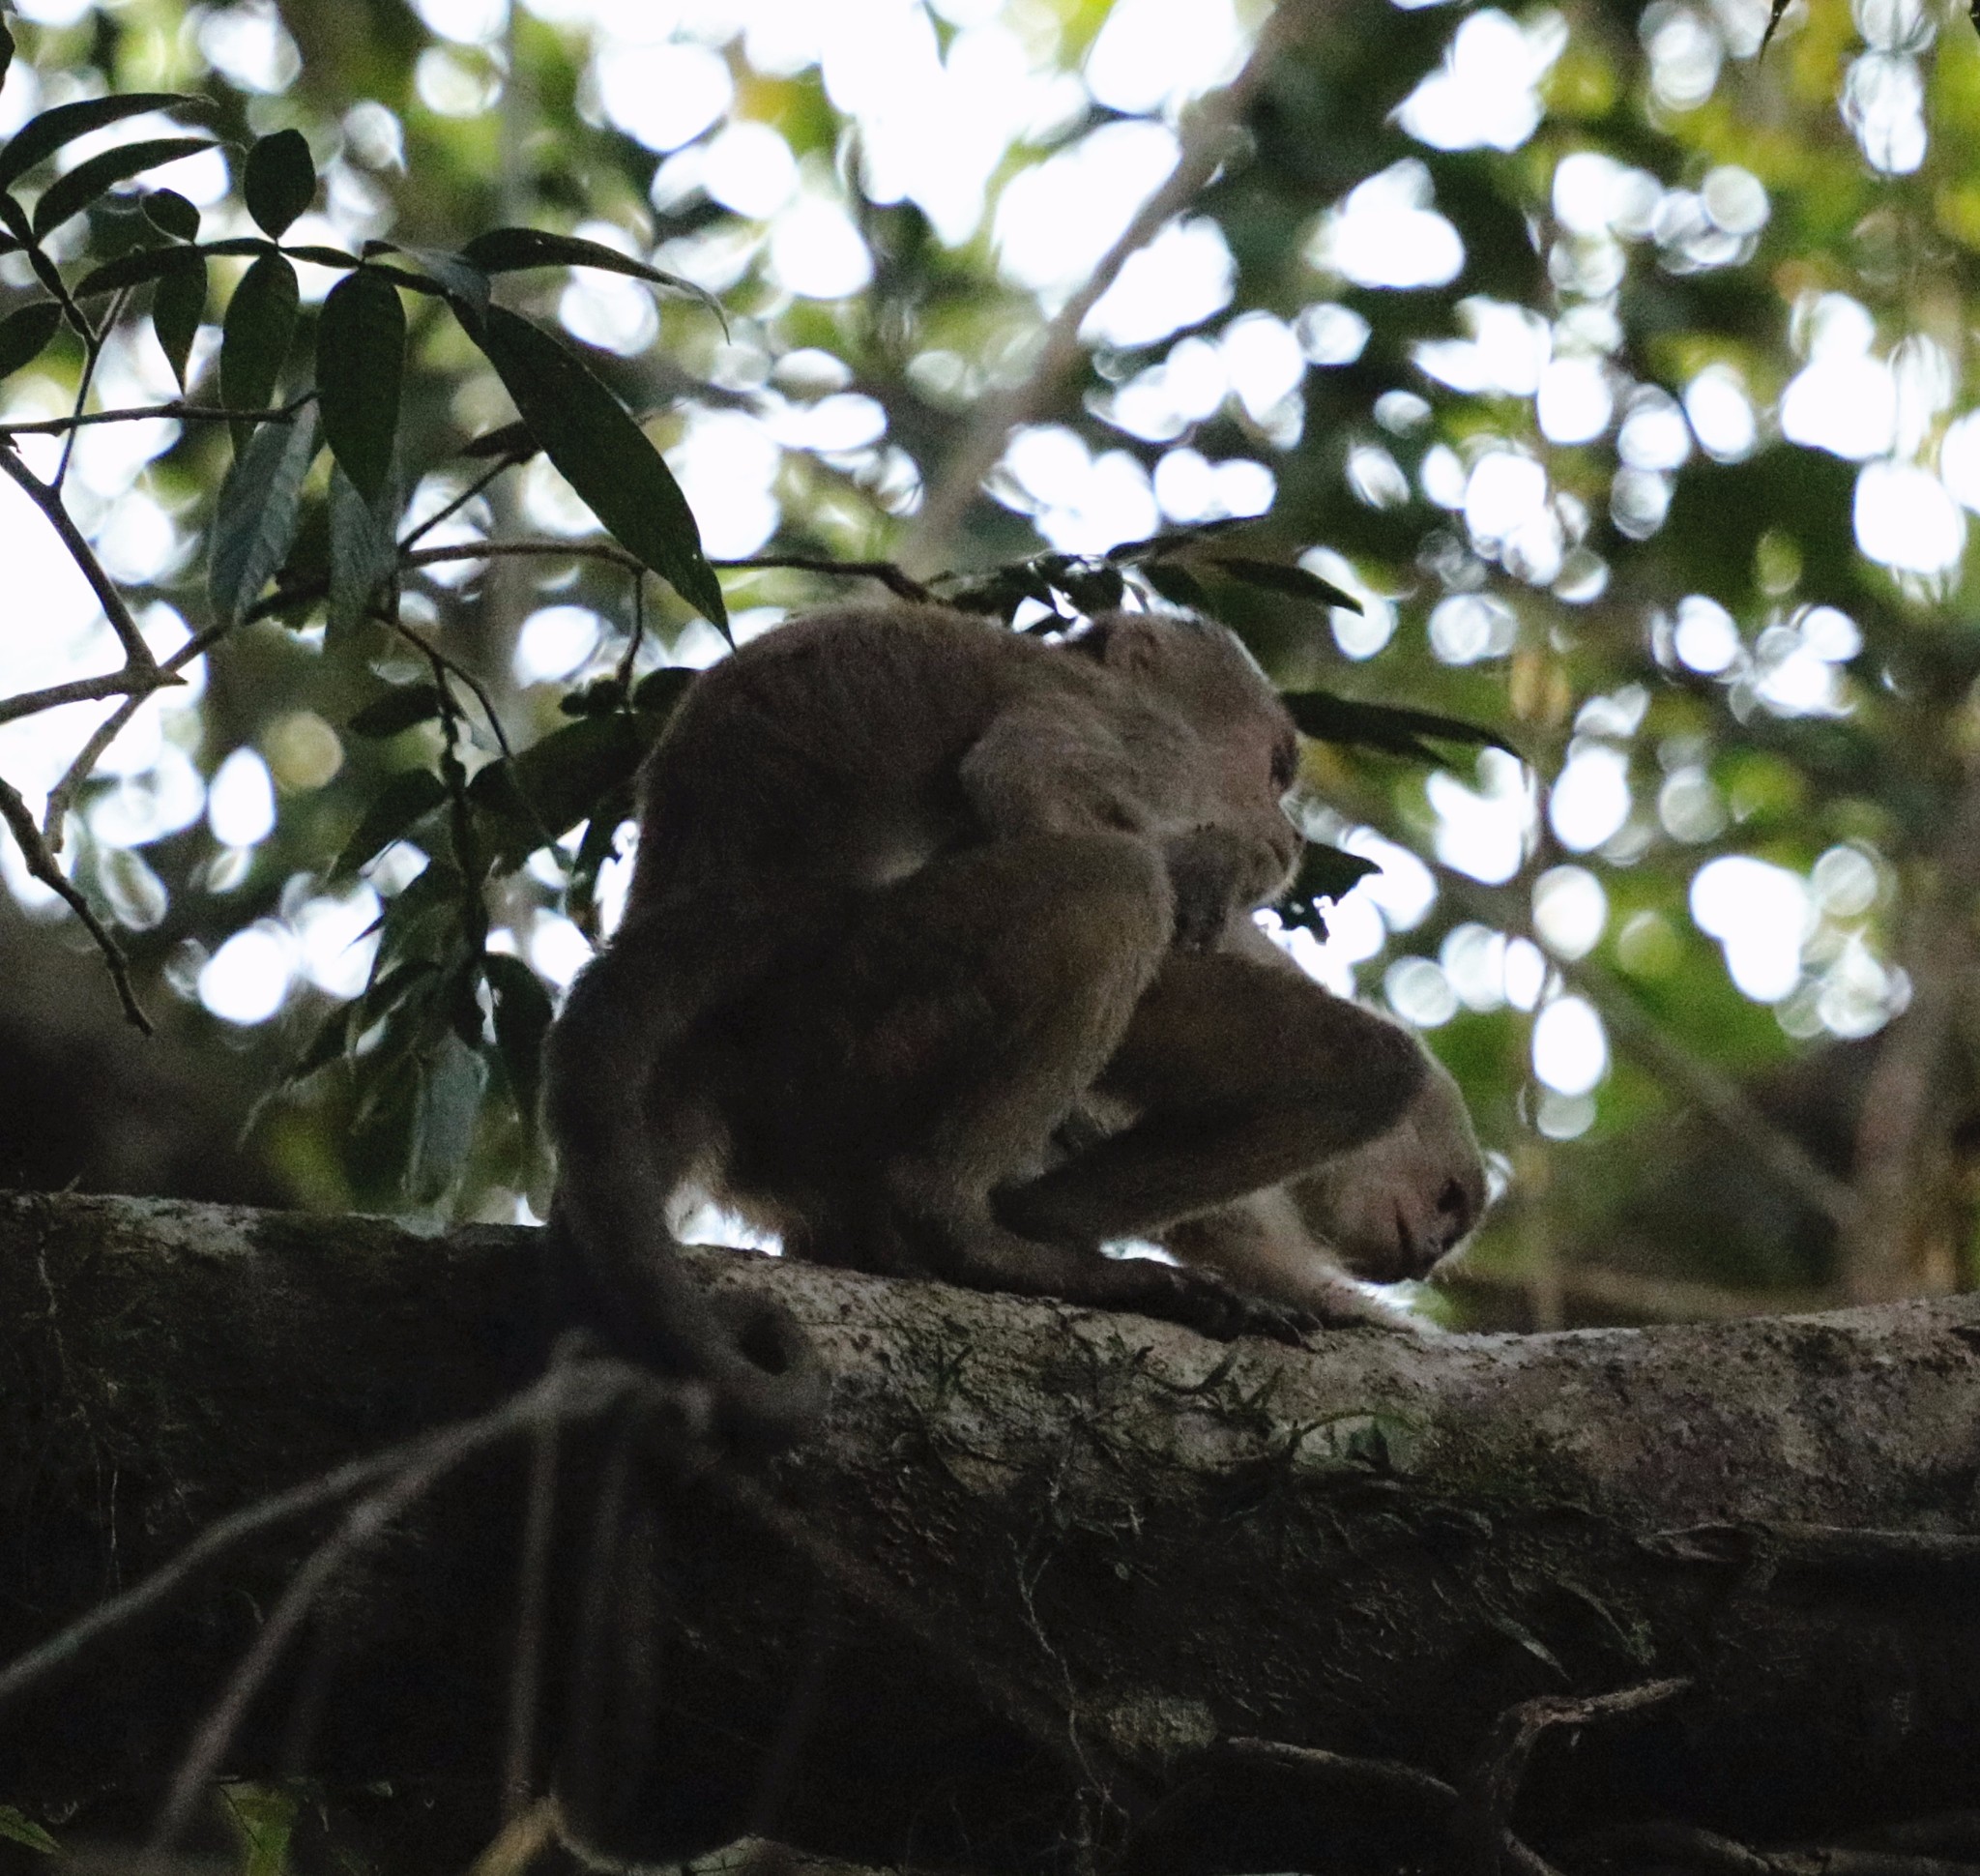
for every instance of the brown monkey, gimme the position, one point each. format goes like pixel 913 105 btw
pixel 910 889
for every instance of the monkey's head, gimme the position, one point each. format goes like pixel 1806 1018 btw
pixel 1396 1205
pixel 1200 674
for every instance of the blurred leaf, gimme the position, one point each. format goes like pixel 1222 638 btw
pixel 42 135
pixel 522 1018
pixel 362 549
pixel 330 1043
pixel 6 59
pixel 1275 576
pixel 1393 730
pixel 254 339
pixel 361 350
pixel 453 1077
pixel 1325 875
pixel 556 783
pixel 1177 584
pixel 399 710
pixel 165 209
pixel 254 521
pixel 510 440
pixel 73 192
pixel 134 269
pixel 503 250
pixel 14 1825
pixel 176 310
pixel 279 181
pixel 1171 541
pixel 604 456
pixel 660 690
pixel 465 281
pixel 601 826
pixel 1092 588
pixel 264 1816
pixel 408 797
pixel 24 335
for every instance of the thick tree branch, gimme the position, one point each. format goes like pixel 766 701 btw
pixel 1102 1542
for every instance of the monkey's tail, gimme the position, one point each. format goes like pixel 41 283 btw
pixel 620 1159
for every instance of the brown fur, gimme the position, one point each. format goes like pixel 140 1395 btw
pixel 915 894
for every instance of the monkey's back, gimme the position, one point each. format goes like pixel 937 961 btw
pixel 820 761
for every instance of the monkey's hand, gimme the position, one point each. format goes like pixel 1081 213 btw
pixel 1211 873
pixel 1222 1311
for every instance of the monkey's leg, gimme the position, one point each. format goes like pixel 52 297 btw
pixel 1245 1076
pixel 927 1057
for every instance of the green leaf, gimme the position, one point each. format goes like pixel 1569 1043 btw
pixel 660 690
pixel 1133 552
pixel 279 181
pixel 241 244
pixel 408 797
pixel 556 783
pixel 1276 577
pixel 255 522
pixel 452 1078
pixel 360 355
pixel 510 440
pixel 522 1017
pixel 14 1825
pixel 399 709
pixel 74 191
pixel 40 137
pixel 176 310
pixel 166 210
pixel 363 548
pixel 134 269
pixel 1387 727
pixel 24 335
pixel 463 281
pixel 1177 584
pixel 603 455
pixel 503 250
pixel 601 825
pixel 322 256
pixel 254 340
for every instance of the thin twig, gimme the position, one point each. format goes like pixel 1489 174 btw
pixel 135 413
pixel 1484 1810
pixel 126 682
pixel 42 866
pixel 92 355
pixel 532 1600
pixel 895 578
pixel 441 662
pixel 583 1389
pixel 62 796
pixel 45 498
pixel 458 503
pixel 1205 139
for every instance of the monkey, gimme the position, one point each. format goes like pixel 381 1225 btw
pixel 915 897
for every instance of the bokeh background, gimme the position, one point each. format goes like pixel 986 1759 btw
pixel 1621 367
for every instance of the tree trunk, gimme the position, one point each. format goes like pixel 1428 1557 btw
pixel 1036 1565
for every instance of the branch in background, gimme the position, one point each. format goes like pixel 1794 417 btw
pixel 1709 1089
pixel 1907 1120
pixel 136 685
pixel 62 797
pixel 44 497
pixel 178 409
pixel 41 864
pixel 1206 138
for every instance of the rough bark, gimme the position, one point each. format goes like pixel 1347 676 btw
pixel 1037 1554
